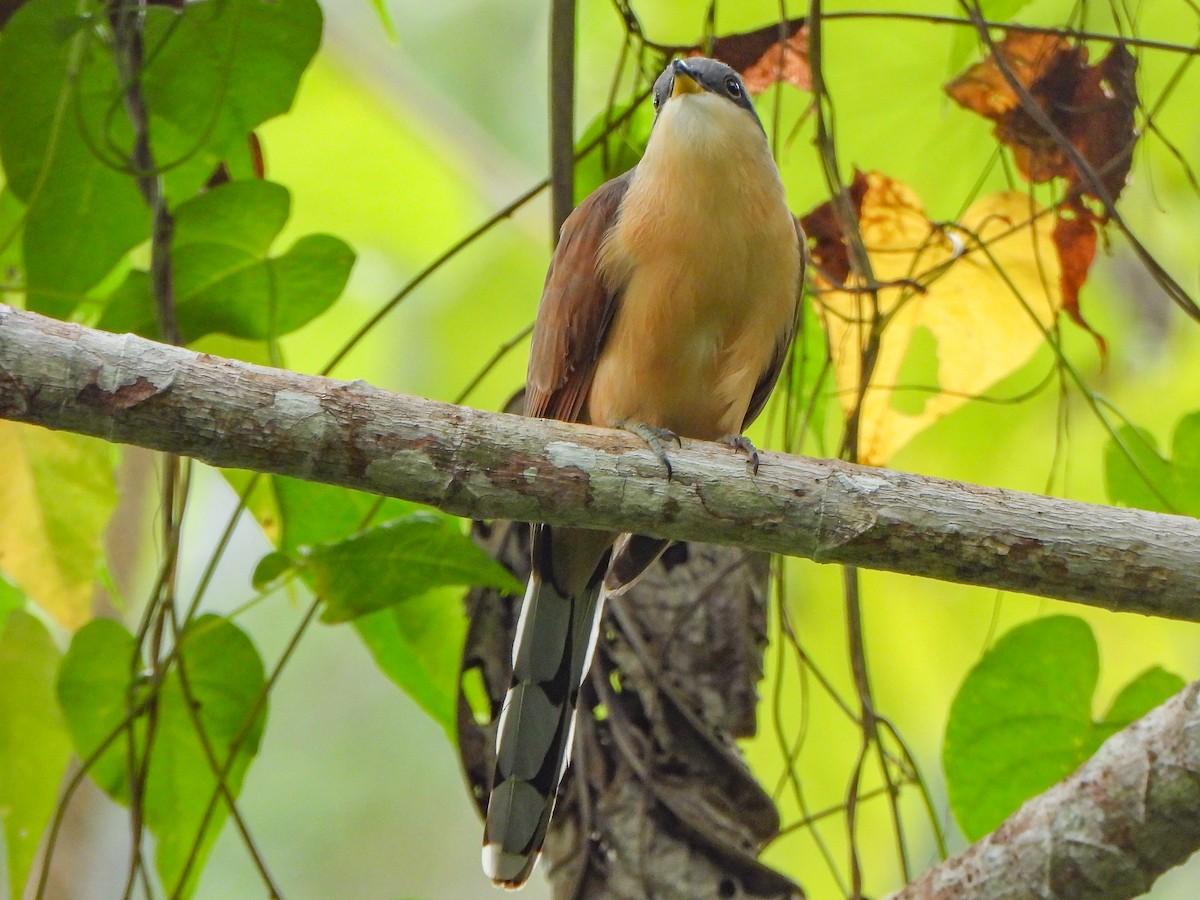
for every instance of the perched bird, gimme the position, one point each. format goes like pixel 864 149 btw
pixel 668 310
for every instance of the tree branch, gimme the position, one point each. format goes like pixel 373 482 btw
pixel 1126 816
pixel 490 465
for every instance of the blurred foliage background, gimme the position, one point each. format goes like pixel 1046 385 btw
pixel 401 146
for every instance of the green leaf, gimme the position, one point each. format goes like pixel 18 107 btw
pixel 1022 719
pixel 415 636
pixel 396 562
pixel 95 692
pixel 222 69
pixel 12 224
pixel 260 501
pixel 241 215
pixel 225 280
pixel 56 496
pixel 1152 688
pixel 11 599
pixel 224 678
pixel 84 213
pixel 618 152
pixel 418 645
pixel 1137 475
pixel 34 745
pixel 322 514
pixel 270 569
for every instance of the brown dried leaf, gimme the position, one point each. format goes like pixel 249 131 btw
pixel 767 56
pixel 1092 106
pixel 825 234
pixel 1075 232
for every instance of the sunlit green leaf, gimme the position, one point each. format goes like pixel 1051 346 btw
pixel 396 562
pixel 1022 719
pixel 222 680
pixel 1137 475
pixel 84 214
pixel 34 745
pixel 56 497
pixel 225 280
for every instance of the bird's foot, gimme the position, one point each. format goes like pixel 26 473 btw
pixel 656 439
pixel 741 444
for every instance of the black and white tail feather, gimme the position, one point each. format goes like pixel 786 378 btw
pixel 556 635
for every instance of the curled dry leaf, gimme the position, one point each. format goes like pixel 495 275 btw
pixel 766 56
pixel 1093 108
pixel 984 289
pixel 1091 105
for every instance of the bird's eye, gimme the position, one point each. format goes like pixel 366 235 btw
pixel 733 87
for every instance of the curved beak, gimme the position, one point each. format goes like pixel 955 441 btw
pixel 684 80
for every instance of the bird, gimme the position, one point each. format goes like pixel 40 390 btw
pixel 669 306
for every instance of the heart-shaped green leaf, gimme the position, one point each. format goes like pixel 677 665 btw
pixel 213 690
pixel 225 279
pixel 398 561
pixel 1022 719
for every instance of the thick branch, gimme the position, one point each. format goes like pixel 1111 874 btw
pixel 1125 817
pixel 489 465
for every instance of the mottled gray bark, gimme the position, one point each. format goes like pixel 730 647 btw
pixel 491 465
pixel 1126 816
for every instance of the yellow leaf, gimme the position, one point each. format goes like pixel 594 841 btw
pixel 985 290
pixel 56 496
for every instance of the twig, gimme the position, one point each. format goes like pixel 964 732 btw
pixel 562 113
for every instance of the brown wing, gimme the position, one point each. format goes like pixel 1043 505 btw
pixel 766 383
pixel 575 311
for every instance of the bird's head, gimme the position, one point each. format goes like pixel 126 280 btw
pixel 703 97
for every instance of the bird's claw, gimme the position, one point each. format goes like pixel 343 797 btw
pixel 655 439
pixel 742 444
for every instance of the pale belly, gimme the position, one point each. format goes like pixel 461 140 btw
pixel 690 341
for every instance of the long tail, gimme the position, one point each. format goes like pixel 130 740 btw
pixel 556 635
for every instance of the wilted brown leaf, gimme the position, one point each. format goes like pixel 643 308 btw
pixel 826 237
pixel 984 290
pixel 1075 232
pixel 1091 105
pixel 767 56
